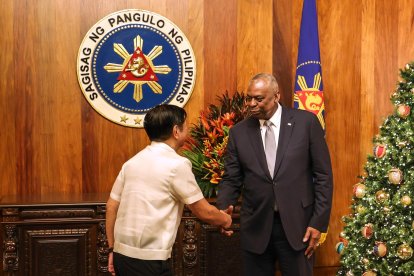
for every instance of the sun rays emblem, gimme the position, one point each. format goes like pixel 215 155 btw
pixel 311 98
pixel 133 60
pixel 137 69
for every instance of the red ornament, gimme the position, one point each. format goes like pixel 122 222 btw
pixel 380 150
pixel 403 110
pixel 367 230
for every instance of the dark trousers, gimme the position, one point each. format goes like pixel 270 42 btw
pixel 291 262
pixel 126 266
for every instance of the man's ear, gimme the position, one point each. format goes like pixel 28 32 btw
pixel 175 131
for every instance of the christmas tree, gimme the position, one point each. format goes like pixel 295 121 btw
pixel 378 235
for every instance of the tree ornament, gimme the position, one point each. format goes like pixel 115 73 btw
pixel 407 66
pixel 402 144
pixel 349 273
pixel 367 230
pixel 380 150
pixel 380 249
pixel 386 209
pixel 342 234
pixel 412 225
pixel 403 111
pixel 395 176
pixel 404 251
pixel 405 200
pixel 412 90
pixel 339 247
pixel 365 261
pixel 381 196
pixel 361 209
pixel 369 273
pixel 359 190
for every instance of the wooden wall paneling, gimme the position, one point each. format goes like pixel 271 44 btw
pixel 25 32
pixel 405 32
pixel 220 48
pixel 283 61
pixel 340 44
pixel 9 98
pixel 254 40
pixel 368 94
pixel 386 57
pixel 195 31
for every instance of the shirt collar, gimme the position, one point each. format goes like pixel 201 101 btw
pixel 162 146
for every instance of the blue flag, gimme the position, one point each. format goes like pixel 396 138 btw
pixel 308 93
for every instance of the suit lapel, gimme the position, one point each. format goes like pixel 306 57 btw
pixel 286 127
pixel 257 144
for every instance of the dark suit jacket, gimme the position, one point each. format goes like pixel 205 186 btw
pixel 302 183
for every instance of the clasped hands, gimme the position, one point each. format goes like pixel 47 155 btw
pixel 225 228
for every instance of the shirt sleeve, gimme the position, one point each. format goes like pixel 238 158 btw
pixel 118 186
pixel 184 187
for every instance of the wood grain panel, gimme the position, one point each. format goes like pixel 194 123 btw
pixel 341 77
pixel 25 31
pixel 254 40
pixel 368 94
pixel 8 101
pixel 386 57
pixel 220 52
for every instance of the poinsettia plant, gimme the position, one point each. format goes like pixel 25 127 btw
pixel 208 138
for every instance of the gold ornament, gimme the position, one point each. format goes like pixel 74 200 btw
pixel 380 249
pixel 395 176
pixel 404 251
pixel 381 196
pixel 361 209
pixel 405 200
pixel 349 273
pixel 386 209
pixel 365 261
pixel 407 66
pixel 342 234
pixel 359 190
pixel 402 144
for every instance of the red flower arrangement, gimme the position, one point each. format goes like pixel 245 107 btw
pixel 206 146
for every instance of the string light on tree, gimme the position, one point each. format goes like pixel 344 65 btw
pixel 378 234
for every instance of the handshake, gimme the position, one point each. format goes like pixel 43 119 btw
pixel 224 227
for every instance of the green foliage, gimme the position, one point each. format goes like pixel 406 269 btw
pixel 391 216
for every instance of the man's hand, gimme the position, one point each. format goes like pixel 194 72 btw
pixel 224 229
pixel 111 263
pixel 312 235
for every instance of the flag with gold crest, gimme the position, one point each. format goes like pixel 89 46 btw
pixel 308 93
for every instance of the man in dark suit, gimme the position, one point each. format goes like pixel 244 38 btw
pixel 278 160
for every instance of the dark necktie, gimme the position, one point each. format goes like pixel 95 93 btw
pixel 270 147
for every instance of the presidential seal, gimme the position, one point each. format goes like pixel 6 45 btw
pixel 133 60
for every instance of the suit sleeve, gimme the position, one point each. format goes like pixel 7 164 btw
pixel 230 186
pixel 322 177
